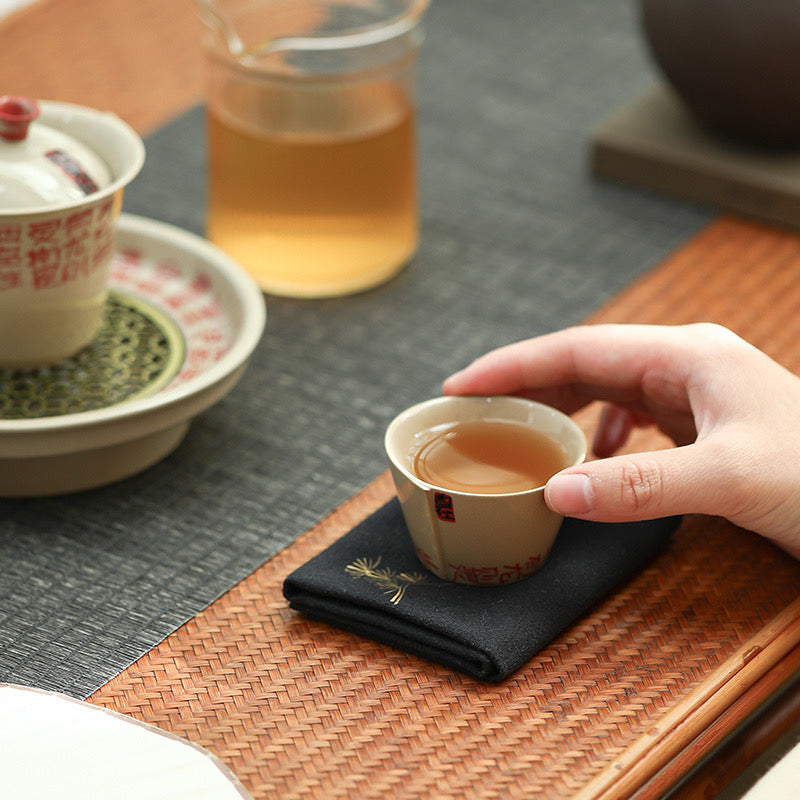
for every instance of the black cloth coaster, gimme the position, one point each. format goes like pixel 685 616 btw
pixel 370 582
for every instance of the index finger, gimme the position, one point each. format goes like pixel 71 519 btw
pixel 622 364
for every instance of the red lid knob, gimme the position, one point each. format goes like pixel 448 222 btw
pixel 16 113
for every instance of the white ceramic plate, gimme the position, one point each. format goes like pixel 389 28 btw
pixel 56 747
pixel 213 313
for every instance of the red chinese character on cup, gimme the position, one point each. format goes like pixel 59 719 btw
pixel 443 505
pixel 10 234
pixel 80 220
pixel 104 210
pixel 10 256
pixel 44 263
pixel 534 562
pixel 10 279
pixel 74 259
pixel 426 559
pixel 477 575
pixel 44 231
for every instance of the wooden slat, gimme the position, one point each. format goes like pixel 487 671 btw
pixel 759 717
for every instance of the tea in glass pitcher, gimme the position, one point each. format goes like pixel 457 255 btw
pixel 311 141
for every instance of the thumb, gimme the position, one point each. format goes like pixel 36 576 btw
pixel 633 487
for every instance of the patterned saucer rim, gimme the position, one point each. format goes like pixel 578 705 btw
pixel 242 304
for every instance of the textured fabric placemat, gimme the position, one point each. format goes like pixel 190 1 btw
pixel 516 240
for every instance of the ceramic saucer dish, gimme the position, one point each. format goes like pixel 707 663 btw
pixel 181 321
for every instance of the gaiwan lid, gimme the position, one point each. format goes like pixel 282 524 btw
pixel 41 166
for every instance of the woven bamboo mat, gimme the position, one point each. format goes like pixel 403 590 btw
pixel 618 706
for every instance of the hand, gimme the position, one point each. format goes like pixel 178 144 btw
pixel 733 413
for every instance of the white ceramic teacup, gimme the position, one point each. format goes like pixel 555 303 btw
pixel 55 252
pixel 471 537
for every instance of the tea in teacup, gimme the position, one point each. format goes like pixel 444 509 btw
pixel 486 456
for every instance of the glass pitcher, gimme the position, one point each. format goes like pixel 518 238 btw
pixel 311 139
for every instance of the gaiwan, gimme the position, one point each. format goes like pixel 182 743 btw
pixel 63 169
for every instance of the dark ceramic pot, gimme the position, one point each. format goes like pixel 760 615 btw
pixel 735 63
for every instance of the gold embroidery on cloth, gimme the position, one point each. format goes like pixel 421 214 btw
pixel 391 582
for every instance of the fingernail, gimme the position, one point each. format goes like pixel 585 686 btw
pixel 450 385
pixel 569 493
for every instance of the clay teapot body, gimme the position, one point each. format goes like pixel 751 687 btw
pixel 734 63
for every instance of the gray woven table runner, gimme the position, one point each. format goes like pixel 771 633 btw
pixel 516 240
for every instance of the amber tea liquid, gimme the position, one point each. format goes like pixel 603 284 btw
pixel 486 456
pixel 318 212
